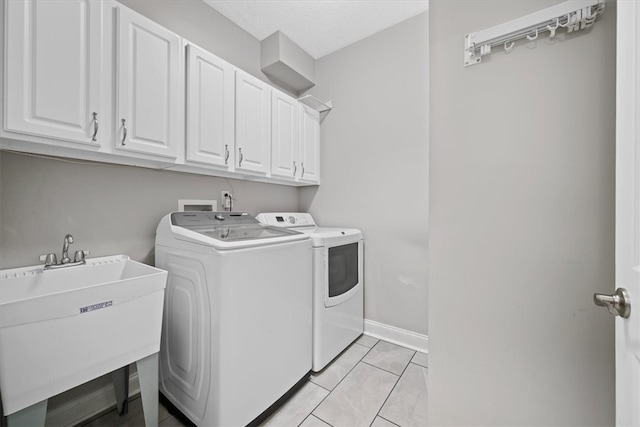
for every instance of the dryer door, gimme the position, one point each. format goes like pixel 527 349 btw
pixel 343 272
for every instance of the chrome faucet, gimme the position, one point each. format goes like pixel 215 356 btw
pixel 68 239
pixel 51 261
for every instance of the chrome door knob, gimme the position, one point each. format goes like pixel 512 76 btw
pixel 618 304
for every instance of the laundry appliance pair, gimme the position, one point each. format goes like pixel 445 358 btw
pixel 252 308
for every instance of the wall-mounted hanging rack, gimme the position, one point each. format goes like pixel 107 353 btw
pixel 316 104
pixel 573 15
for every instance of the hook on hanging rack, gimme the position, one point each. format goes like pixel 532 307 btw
pixel 566 24
pixel 530 37
pixel 508 47
pixel 574 22
pixel 552 30
pixel 588 17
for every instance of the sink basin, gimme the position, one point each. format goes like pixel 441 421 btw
pixel 61 328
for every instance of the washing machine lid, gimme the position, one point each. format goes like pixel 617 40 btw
pixel 229 230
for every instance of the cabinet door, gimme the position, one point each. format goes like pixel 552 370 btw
pixel 210 108
pixel 285 136
pixel 149 102
pixel 309 145
pixel 253 124
pixel 53 69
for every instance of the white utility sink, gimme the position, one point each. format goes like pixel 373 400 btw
pixel 61 328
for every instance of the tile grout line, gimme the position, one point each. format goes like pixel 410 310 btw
pixel 387 420
pixel 336 386
pixel 415 363
pixel 422 366
pixel 336 358
pixel 322 387
pixel 393 388
pixel 382 369
pixel 311 415
pixel 386 398
pixel 377 341
pixel 316 407
pixel 345 376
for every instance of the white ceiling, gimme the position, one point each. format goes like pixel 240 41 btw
pixel 318 26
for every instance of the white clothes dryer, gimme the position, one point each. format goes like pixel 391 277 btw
pixel 236 333
pixel 338 283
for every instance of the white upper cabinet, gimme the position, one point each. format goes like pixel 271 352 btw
pixel 309 145
pixel 53 70
pixel 285 135
pixel 94 80
pixel 149 87
pixel 253 124
pixel 210 109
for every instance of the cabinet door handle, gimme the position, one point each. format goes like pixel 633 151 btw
pixel 302 174
pixel 226 154
pixel 241 157
pixel 124 131
pixel 295 168
pixel 95 126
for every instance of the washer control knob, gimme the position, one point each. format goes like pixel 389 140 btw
pixel 219 217
pixel 292 219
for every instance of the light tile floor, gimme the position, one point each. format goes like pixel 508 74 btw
pixel 372 383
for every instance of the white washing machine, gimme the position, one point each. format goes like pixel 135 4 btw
pixel 237 322
pixel 338 283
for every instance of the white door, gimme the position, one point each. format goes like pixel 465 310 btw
pixel 53 77
pixel 628 213
pixel 253 124
pixel 285 138
pixel 309 145
pixel 210 108
pixel 148 110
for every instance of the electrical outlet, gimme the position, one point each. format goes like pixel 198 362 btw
pixel 226 199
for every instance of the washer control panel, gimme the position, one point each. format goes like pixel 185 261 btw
pixel 286 219
pixel 211 219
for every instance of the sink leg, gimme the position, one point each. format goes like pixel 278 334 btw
pixel 31 416
pixel 120 379
pixel 148 377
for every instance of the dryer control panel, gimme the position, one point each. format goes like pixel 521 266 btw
pixel 286 219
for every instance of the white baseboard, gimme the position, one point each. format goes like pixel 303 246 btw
pixel 89 405
pixel 403 337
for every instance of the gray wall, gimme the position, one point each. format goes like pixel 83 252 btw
pixel 521 223
pixel 109 209
pixel 374 150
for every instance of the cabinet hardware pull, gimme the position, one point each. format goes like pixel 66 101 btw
pixel 295 168
pixel 302 174
pixel 241 157
pixel 124 129
pixel 226 154
pixel 95 126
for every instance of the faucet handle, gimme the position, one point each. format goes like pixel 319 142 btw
pixel 80 255
pixel 49 259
